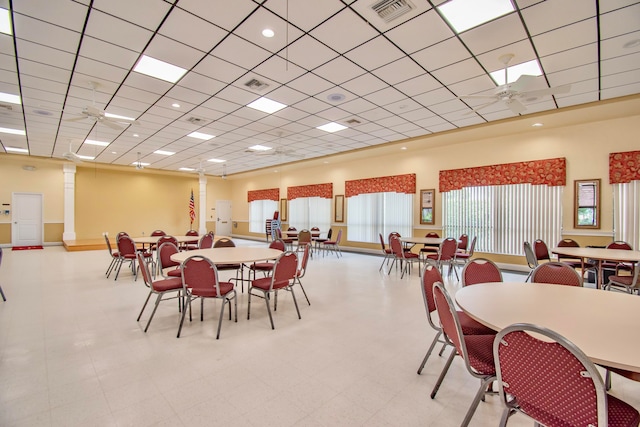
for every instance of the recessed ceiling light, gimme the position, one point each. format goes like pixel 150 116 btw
pixel 80 156
pixel 631 44
pixel 403 148
pixel 531 68
pixel 175 105
pixel 99 143
pixel 537 125
pixel 260 148
pixel 114 152
pixel 335 97
pixel 266 105
pixel 135 135
pixel 136 163
pixel 186 169
pixel 12 131
pixel 201 135
pixel 5 22
pixel 159 69
pixel 466 14
pixel 16 150
pixel 164 153
pixel 331 127
pixel 268 32
pixel 216 160
pixel 117 116
pixel 12 99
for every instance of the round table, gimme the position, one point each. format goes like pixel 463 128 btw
pixel 237 255
pixel 603 324
pixel 431 241
pixel 599 254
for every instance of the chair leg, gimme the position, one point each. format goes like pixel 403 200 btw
pixel 113 261
pixel 153 312
pixel 443 373
pixel 184 311
pixel 431 347
pixel 2 293
pixel 120 262
pixel 266 301
pixel 295 302
pixel 505 416
pixel 476 400
pixel 221 316
pixel 144 306
pixel 303 291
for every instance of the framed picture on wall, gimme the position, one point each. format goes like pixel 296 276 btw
pixel 283 209
pixel 427 206
pixel 339 214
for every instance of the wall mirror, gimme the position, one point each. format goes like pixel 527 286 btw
pixel 427 206
pixel 586 207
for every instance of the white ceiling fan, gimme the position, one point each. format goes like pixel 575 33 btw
pixel 73 157
pixel 512 93
pixel 91 112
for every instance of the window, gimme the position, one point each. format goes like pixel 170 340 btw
pixel 259 212
pixel 587 204
pixel 626 212
pixel 307 212
pixel 373 213
pixel 502 217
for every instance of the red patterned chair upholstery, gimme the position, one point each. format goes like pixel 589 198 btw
pixel 480 270
pixel 266 267
pixel 446 255
pixel 404 257
pixel 161 288
pixel 541 250
pixel 557 273
pixel 427 249
pixel 465 256
pixel 168 268
pixel 554 383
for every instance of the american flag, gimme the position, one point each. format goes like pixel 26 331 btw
pixel 192 208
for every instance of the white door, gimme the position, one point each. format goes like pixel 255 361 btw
pixel 26 225
pixel 223 219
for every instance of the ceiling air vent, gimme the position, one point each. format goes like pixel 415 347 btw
pixel 196 120
pixel 256 84
pixel 389 10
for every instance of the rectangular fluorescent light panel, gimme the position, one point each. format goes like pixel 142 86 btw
pixel 186 169
pixel 331 127
pixel 531 68
pixel 201 135
pixel 5 21
pixel 116 116
pixel 159 69
pixel 266 105
pixel 80 156
pixel 216 160
pixel 466 14
pixel 12 99
pixel 12 131
pixel 164 153
pixel 260 148
pixel 140 163
pixel 16 150
pixel 98 143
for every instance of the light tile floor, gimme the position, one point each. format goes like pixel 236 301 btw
pixel 72 353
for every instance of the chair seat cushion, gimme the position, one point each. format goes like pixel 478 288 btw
pixel 264 283
pixel 473 327
pixel 225 288
pixel 227 266
pixel 409 255
pixel 174 273
pixel 462 255
pixel 165 285
pixel 480 352
pixel 262 266
pixel 621 280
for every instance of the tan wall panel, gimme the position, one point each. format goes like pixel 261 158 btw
pixel 5 233
pixel 53 232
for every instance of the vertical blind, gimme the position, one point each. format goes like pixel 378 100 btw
pixel 373 213
pixel 259 212
pixel 626 212
pixel 307 212
pixel 502 217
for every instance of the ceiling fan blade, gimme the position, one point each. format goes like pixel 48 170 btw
pixel 75 119
pixel 550 91
pixel 516 106
pixel 477 97
pixel 110 124
pixel 523 82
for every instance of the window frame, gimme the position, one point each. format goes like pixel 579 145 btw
pixel 577 207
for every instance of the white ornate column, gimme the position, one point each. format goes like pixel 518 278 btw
pixel 202 213
pixel 69 170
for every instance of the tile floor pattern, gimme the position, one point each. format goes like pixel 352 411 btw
pixel 72 354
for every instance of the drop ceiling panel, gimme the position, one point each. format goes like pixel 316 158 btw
pixel 227 17
pixel 344 31
pixel 497 33
pixel 441 54
pixel 375 53
pixel 565 38
pixel 113 30
pixel 67 15
pixel 551 14
pixel 410 35
pixel 399 71
pixel 192 31
pixel 620 21
pixel 252 55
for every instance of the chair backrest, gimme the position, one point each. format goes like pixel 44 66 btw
pixel 329 233
pixel 532 261
pixel 224 243
pixel 0 256
pixel 144 269
pixel 315 232
pixel 200 273
pixel 278 244
pixel 126 246
pixel 191 233
pixel 339 236
pixel 284 270
pixel 557 273
pixel 430 276
pixel 291 229
pixel 106 239
pixel 480 270
pixel 619 244
pixel 432 234
pixel 158 233
pixel 396 246
pixel 463 241
pixel 303 262
pixel 384 249
pixel 122 233
pixel 165 251
pixel 304 236
pixel 541 250
pixel 393 233
pixel 447 249
pixel 449 318
pixel 472 246
pixel 167 239
pixel 568 243
pixel 206 241
pixel 554 382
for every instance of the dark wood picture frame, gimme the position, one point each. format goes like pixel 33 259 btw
pixel 428 206
pixel 339 208
pixel 586 216
pixel 283 210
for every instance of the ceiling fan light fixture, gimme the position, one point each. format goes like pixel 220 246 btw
pixel 463 15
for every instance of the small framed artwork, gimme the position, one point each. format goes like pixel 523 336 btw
pixel 283 210
pixel 339 214
pixel 427 206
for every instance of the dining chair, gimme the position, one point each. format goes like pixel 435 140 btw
pixel 463 242
pixel 166 266
pixel 302 269
pixel 199 281
pixel 405 258
pixel 552 381
pixel 156 233
pixel 334 245
pixel 556 273
pixel 266 267
pixel 126 253
pixel 465 256
pixel 628 283
pixel 304 239
pixel 480 270
pixel 541 250
pixel 446 255
pixel 1 291
pixel 387 252
pixel 429 249
pixel 320 240
pixel 113 255
pixel 616 266
pixel 191 244
pixel 293 236
pixel 206 241
pixel 228 243
pixel 282 278
pixel 287 241
pixel 161 288
pixel 475 350
pixel 575 263
pixel 530 256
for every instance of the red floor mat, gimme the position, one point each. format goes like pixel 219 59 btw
pixel 24 248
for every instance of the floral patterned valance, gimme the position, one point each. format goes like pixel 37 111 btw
pixel 551 172
pixel 268 194
pixel 624 167
pixel 316 190
pixel 384 184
